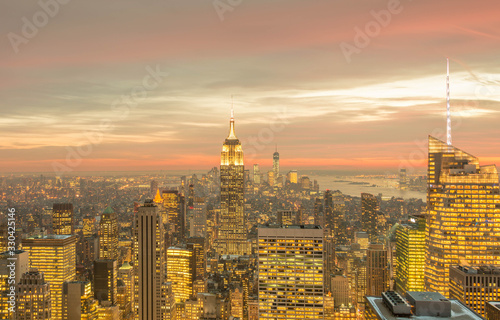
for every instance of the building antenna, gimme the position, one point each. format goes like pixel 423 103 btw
pixel 448 111
pixel 232 108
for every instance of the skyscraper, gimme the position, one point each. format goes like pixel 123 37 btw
pixel 410 255
pixel 21 266
pixel 174 207
pixel 290 272
pixel 108 235
pixel 63 222
pixel 54 255
pixel 126 275
pixel 256 174
pixel 33 297
pixel 232 238
pixel 105 277
pixel 148 261
pixel 276 164
pixel 180 272
pixel 369 212
pixel 78 301
pixel 377 272
pixel 475 286
pixel 463 205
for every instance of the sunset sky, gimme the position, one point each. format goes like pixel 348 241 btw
pixel 281 60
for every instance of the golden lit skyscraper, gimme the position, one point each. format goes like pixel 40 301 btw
pixel 62 218
pixel 290 272
pixel 463 210
pixel 33 297
pixel 410 256
pixel 108 235
pixel 55 256
pixel 180 272
pixel 173 214
pixel 232 237
pixel 148 262
pixel 126 275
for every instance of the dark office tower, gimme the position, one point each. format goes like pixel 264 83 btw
pixel 369 211
pixel 198 247
pixel 232 238
pixel 276 164
pixel 148 262
pixel 287 217
pixel 174 207
pixel 105 277
pixel 377 271
pixel 328 213
pixel 318 212
pixel 153 188
pixel 463 206
pixel 63 219
pixel 108 235
pixel 190 201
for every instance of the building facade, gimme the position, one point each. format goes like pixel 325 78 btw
pixel 290 272
pixel 232 236
pixel 463 201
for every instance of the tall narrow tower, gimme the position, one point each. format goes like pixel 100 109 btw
pixel 276 164
pixel 232 238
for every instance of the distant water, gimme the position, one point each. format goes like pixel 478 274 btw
pixel 369 185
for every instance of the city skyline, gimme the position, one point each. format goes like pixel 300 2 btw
pixel 340 113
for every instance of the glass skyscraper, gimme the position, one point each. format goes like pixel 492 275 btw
pixel 463 213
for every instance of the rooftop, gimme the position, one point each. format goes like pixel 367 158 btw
pixel 459 311
pixel 485 269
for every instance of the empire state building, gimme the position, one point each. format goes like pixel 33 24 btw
pixel 232 237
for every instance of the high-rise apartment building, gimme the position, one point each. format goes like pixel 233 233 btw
pixel 370 208
pixel 33 297
pixel 232 238
pixel 54 255
pixel 290 273
pixel 475 286
pixel 108 235
pixel 463 203
pixel 149 262
pixel 410 255
pixel 63 221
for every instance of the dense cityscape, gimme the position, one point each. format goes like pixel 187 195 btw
pixel 235 243
pixel 249 160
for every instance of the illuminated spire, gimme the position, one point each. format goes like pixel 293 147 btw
pixel 232 135
pixel 448 111
pixel 158 198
